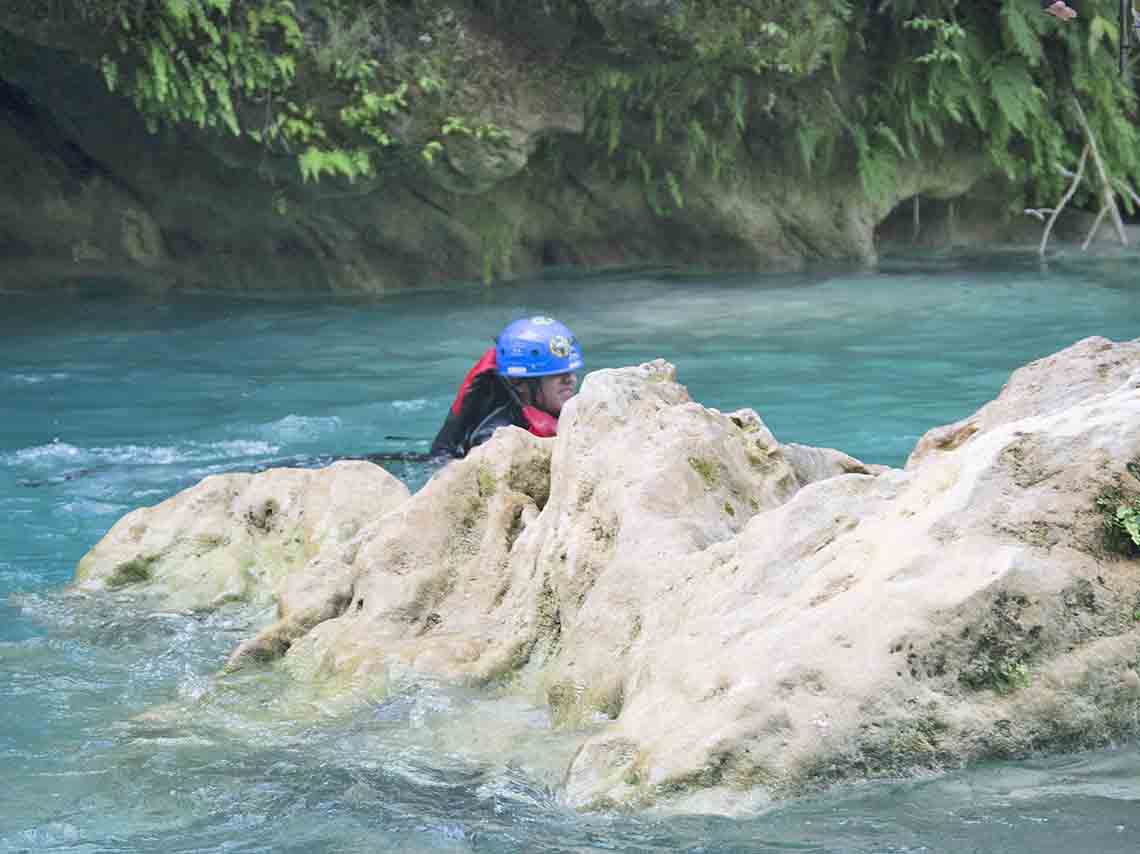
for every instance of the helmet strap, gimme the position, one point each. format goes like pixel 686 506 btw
pixel 512 392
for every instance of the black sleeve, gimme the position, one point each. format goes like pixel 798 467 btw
pixel 505 415
pixel 486 396
pixel 450 439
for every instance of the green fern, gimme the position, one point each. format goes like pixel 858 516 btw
pixel 1012 89
pixel 807 85
pixel 1020 31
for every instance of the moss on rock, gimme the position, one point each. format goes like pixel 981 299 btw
pixel 139 570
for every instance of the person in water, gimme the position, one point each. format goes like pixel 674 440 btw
pixel 524 380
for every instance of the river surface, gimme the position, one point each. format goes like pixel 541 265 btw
pixel 114 737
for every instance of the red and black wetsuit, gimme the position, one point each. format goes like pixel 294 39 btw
pixel 482 405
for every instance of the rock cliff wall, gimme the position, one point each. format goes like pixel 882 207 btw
pixel 88 193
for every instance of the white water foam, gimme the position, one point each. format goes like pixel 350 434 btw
pixel 56 452
pixel 293 428
pixel 84 509
pixel 147 493
pixel 35 379
pixel 13 576
pixel 410 405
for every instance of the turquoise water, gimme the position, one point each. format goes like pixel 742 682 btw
pixel 113 737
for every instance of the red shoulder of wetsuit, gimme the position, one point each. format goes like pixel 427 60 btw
pixel 540 423
pixel 486 363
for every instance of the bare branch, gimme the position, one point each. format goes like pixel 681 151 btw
pixel 1064 200
pixel 1095 228
pixel 1106 183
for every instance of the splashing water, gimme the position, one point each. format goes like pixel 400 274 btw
pixel 114 735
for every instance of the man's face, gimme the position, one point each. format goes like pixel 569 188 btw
pixel 555 390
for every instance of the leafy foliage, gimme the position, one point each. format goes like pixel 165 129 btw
pixel 233 64
pixel 1006 81
pixel 1121 511
pixel 820 86
pixel 310 82
pixel 876 87
pixel 716 69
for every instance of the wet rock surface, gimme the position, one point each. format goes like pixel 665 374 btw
pixel 238 537
pixel 720 614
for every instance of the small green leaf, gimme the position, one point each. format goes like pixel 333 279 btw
pixel 674 189
pixel 110 71
pixel 890 136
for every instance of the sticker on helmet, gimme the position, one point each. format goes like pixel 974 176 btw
pixel 540 320
pixel 560 346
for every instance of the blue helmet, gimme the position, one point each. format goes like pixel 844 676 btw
pixel 536 347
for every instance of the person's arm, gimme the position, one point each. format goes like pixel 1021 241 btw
pixel 449 440
pixel 504 416
pixel 481 396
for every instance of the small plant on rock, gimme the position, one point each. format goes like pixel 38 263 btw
pixel 1121 511
pixel 708 470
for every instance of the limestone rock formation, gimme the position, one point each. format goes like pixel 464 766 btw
pixel 239 536
pixel 726 616
pixel 872 625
